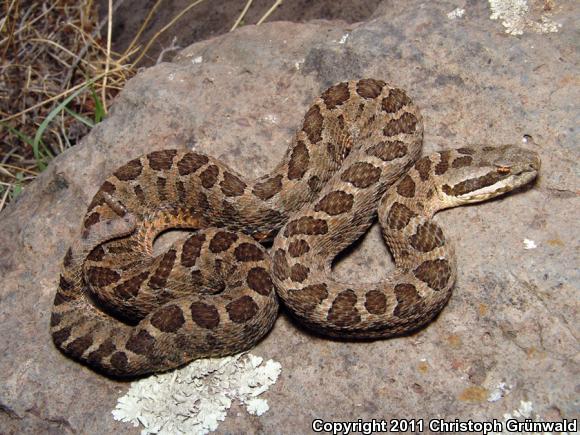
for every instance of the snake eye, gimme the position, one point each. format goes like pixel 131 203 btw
pixel 504 170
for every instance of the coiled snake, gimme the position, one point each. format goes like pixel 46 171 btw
pixel 124 311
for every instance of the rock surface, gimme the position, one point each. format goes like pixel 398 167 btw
pixel 513 317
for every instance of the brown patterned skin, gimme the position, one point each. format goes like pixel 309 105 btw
pixel 425 261
pixel 125 311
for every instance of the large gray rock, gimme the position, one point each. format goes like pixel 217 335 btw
pixel 513 317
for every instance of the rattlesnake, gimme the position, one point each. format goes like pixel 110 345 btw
pixel 215 293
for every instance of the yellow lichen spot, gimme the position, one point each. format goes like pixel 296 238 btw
pixel 557 243
pixel 454 341
pixel 474 394
pixel 423 367
pixel 534 352
pixel 482 309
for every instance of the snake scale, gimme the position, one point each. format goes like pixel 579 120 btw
pixel 125 311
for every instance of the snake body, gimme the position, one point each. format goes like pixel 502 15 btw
pixel 125 311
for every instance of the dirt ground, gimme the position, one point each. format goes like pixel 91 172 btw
pixel 212 18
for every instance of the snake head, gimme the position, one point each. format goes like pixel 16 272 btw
pixel 487 172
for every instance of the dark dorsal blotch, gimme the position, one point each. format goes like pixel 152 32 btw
pixel 408 300
pixel 361 175
pixel 443 164
pixel 129 171
pixel 159 277
pixel 119 361
pixel 138 190
pixel 181 193
pixel 141 343
pixel 130 288
pixel 105 349
pixel 369 88
pixel 461 162
pixel 336 95
pixel 376 302
pixel 299 160
pixel 465 150
pixel 55 319
pixel 298 273
pixel 297 248
pixel 191 250
pixel 59 337
pixel 395 101
pixel 161 160
pixel 407 124
pixel 68 257
pixel 168 318
pixel 280 265
pixel 190 163
pixel 427 237
pixel 343 311
pixel 399 216
pixel 96 254
pixel 313 124
pixel 306 225
pixel 102 276
pixel 209 176
pixel 248 252
pixel 221 241
pixel 310 296
pixel 259 280
pixel 161 188
pixel 435 273
pixel 315 184
pixel 232 185
pixel 406 187
pixel 65 285
pixel 388 150
pixel 267 189
pixel 423 167
pixel 106 188
pixel 92 219
pixel 78 346
pixel 335 203
pixel 202 202
pixel 242 309
pixel 204 315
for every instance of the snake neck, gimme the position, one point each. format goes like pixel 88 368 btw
pixel 406 218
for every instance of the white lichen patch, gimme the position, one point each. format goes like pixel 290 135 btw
pixel 456 13
pixel 529 244
pixel 271 119
pixel 498 392
pixel 194 399
pixel 524 413
pixel 514 15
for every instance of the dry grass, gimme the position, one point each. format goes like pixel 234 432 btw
pixel 58 76
pixel 50 51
